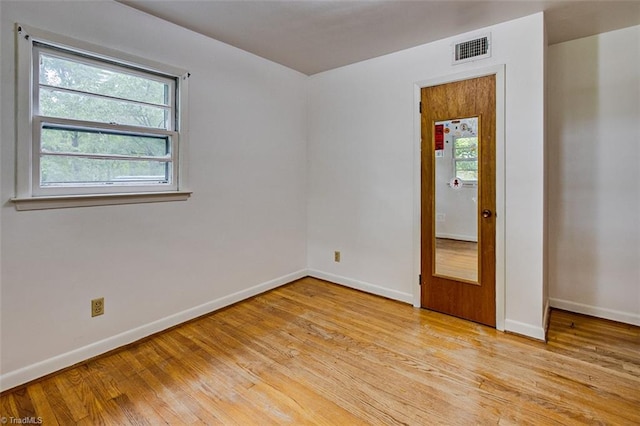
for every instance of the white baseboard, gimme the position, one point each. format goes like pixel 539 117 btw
pixel 51 365
pixel 595 311
pixel 363 286
pixel 524 329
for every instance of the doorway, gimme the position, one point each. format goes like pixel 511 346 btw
pixel 458 193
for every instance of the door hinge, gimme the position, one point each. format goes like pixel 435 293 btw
pixel 420 279
pixel 420 107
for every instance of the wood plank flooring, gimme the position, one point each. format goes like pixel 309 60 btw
pixel 458 259
pixel 313 352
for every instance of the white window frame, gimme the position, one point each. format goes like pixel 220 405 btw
pixel 30 194
pixel 456 160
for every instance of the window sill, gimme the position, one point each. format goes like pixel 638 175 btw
pixel 67 201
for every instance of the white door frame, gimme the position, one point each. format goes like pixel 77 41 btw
pixel 499 72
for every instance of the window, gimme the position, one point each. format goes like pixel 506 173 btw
pixel 465 158
pixel 94 123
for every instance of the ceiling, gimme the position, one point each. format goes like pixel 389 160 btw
pixel 312 36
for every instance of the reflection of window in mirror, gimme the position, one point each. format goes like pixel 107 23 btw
pixel 465 158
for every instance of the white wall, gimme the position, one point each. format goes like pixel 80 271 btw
pixel 243 231
pixel 594 188
pixel 362 186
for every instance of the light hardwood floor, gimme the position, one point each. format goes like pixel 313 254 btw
pixel 313 352
pixel 458 259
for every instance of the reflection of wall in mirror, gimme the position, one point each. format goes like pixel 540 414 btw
pixel 456 209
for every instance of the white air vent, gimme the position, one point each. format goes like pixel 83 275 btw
pixel 472 50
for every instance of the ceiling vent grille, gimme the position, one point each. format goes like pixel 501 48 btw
pixel 472 50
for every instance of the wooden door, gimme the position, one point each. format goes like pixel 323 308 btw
pixel 450 291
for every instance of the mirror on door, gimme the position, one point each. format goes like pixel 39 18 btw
pixel 456 198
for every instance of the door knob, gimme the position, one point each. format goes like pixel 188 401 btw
pixel 486 213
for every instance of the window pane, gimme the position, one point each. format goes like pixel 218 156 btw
pixel 62 72
pixel 467 175
pixel 466 148
pixel 61 170
pixel 95 142
pixel 467 169
pixel 77 106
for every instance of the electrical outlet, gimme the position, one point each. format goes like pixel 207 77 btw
pixel 97 307
pixel 336 256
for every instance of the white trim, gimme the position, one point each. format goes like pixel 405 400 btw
pixel 499 72
pixel 362 286
pixel 24 102
pixel 182 145
pixel 596 311
pixel 119 129
pixel 66 201
pixel 517 327
pixel 31 372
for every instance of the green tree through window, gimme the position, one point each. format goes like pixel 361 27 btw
pixel 465 158
pixel 102 123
